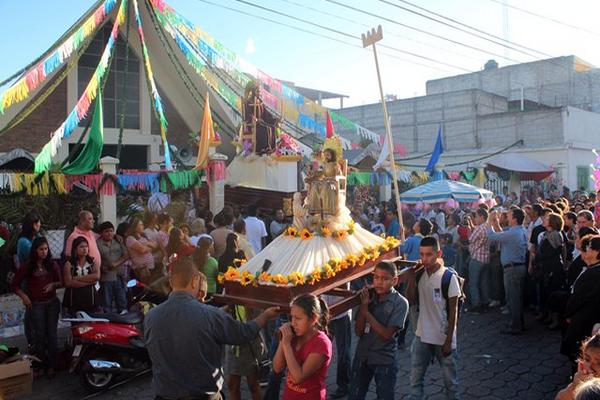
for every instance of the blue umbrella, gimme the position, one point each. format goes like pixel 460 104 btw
pixel 444 190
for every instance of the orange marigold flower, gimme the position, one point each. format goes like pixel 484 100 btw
pixel 247 278
pixel 220 279
pixel 232 274
pixel 351 259
pixel 315 276
pixel 341 235
pixel 296 278
pixel 328 271
pixel 335 264
pixel 280 279
pixel 362 259
pixel 344 265
pixel 305 234
pixel 264 277
pixel 326 232
pixel 351 227
pixel 291 231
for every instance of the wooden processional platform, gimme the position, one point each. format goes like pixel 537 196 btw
pixel 264 296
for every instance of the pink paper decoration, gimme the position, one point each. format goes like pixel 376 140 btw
pixel 454 175
pixel 451 203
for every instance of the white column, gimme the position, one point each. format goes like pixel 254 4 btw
pixel 216 188
pixel 108 203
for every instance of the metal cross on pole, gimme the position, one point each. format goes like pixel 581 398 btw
pixel 369 39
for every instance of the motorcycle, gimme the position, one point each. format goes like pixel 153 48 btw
pixel 108 346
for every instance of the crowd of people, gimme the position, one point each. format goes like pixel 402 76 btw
pixel 541 255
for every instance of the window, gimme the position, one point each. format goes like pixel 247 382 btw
pixel 114 90
pixel 583 178
pixel 132 156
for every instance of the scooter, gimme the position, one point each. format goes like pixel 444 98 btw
pixel 108 346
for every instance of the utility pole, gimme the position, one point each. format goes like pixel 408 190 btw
pixel 369 39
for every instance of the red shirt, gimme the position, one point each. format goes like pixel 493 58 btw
pixel 37 281
pixel 313 388
pixel 463 232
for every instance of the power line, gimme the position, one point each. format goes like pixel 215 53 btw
pixel 556 21
pixel 421 30
pixel 370 26
pixel 466 26
pixel 316 34
pixel 517 143
pixel 347 34
pixel 475 29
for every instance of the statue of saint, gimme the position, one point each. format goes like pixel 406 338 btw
pixel 322 195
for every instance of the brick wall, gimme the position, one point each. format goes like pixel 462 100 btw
pixel 34 131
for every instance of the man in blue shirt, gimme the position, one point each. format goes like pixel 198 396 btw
pixel 394 226
pixel 513 243
pixel 410 248
pixel 185 338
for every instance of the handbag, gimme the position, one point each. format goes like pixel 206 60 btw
pixel 262 362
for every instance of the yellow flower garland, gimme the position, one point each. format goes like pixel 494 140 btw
pixel 329 270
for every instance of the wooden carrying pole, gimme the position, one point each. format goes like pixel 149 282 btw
pixel 369 39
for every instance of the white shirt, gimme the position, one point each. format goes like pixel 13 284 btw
pixel 432 324
pixel 277 227
pixel 440 220
pixel 255 231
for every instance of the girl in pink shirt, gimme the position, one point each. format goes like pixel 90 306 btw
pixel 305 350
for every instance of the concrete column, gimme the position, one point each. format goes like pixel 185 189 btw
pixel 216 188
pixel 108 203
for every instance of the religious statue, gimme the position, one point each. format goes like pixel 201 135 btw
pixel 259 126
pixel 323 186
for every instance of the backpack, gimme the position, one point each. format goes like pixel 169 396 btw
pixel 446 278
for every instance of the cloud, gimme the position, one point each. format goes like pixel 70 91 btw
pixel 250 47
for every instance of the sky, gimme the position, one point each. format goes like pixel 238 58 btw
pixel 29 27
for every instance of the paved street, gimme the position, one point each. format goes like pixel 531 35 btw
pixel 492 366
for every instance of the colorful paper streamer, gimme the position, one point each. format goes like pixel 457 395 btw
pixel 158 106
pixel 80 111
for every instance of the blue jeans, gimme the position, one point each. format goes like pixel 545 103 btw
pixel 342 334
pixel 361 375
pixel 514 285
pixel 44 317
pixel 479 283
pixel 462 261
pixel 114 291
pixel 420 356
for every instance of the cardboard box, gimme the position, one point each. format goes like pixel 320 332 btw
pixel 15 379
